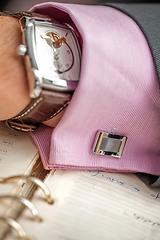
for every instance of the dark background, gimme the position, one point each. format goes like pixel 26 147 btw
pixel 20 5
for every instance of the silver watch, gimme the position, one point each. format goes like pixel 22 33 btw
pixel 52 55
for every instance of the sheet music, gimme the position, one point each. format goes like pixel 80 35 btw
pixel 96 205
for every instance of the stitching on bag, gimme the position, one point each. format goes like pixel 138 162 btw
pixel 29 110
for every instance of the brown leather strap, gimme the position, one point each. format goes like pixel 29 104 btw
pixel 19 15
pixel 43 108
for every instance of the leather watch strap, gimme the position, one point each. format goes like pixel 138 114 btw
pixel 19 15
pixel 40 109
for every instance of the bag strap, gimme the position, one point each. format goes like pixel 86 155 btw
pixel 147 17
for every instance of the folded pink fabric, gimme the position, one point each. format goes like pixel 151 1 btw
pixel 118 89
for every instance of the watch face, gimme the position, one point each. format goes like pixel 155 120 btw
pixel 54 54
pixel 63 56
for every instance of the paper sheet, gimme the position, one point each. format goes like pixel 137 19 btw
pixel 17 149
pixel 17 155
pixel 96 205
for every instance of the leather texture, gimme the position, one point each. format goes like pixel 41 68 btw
pixel 45 107
pixel 48 105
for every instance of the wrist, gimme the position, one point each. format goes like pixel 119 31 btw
pixel 14 93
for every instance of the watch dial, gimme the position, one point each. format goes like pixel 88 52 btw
pixel 57 53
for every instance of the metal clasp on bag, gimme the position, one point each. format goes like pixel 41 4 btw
pixel 109 144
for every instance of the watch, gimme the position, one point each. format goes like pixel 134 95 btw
pixel 52 55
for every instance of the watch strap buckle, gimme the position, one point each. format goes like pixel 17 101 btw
pixel 21 126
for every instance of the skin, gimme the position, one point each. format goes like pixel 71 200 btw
pixel 14 92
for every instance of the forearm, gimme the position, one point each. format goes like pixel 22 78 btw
pixel 13 81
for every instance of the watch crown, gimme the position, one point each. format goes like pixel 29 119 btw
pixel 22 50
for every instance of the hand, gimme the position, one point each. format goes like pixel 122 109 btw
pixel 14 92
